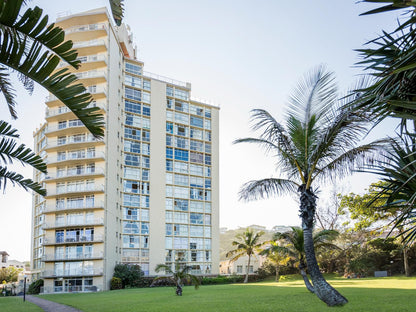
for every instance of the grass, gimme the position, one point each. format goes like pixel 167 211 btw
pixel 16 304
pixel 369 294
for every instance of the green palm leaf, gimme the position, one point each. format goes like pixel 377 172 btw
pixel 18 179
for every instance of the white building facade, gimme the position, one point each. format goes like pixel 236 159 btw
pixel 147 193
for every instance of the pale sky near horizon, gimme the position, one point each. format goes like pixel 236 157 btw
pixel 240 55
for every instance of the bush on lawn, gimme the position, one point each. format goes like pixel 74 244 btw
pixel 34 288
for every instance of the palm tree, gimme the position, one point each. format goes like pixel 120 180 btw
pixel 390 60
pixel 9 151
pixel 246 244
pixel 31 47
pixel 177 276
pixel 316 144
pixel 276 255
pixel 294 240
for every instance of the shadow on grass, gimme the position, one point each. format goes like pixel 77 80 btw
pixel 230 298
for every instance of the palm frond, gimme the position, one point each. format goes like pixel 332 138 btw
pixel 34 49
pixel 8 92
pixel 18 179
pixel 117 10
pixel 7 130
pixel 260 189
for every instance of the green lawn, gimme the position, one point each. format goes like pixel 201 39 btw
pixel 16 304
pixel 370 294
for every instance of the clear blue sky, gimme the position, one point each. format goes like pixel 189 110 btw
pixel 239 54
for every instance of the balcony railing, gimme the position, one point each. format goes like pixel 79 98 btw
pixel 89 27
pixel 79 272
pixel 66 289
pixel 86 256
pixel 63 110
pixel 91 43
pixel 91 74
pixel 69 240
pixel 70 140
pixel 67 223
pixel 76 173
pixel 95 188
pixel 87 59
pixel 54 208
pixel 90 89
pixel 89 155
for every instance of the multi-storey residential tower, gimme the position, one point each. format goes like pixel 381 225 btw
pixel 145 194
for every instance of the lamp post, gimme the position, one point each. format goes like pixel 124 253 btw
pixel 24 287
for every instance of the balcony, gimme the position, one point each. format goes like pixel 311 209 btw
pixel 78 142
pixel 73 223
pixel 92 76
pixel 97 92
pixel 68 159
pixel 86 32
pixel 67 289
pixel 73 240
pixel 100 59
pixel 76 174
pixel 77 190
pixel 78 257
pixel 73 207
pixel 65 113
pixel 69 273
pixel 90 47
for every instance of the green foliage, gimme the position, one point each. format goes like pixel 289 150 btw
pixel 116 283
pixel 179 276
pixel 130 275
pixel 34 287
pixel 9 274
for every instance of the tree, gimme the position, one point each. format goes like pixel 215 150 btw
pixel 295 247
pixel 318 143
pixel 178 276
pixel 9 274
pixel 276 255
pixel 245 244
pixel 10 151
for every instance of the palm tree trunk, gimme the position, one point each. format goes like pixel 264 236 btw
pixel 406 261
pixel 277 273
pixel 304 276
pixel 323 290
pixel 248 269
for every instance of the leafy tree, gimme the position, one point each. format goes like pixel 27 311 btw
pixel 178 276
pixel 9 152
pixel 316 144
pixel 9 274
pixel 246 244
pixel 130 275
pixel 277 256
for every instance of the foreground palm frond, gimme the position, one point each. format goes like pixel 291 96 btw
pixel 31 47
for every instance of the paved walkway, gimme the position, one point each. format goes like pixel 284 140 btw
pixel 50 306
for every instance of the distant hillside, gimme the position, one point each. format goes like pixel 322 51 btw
pixel 228 236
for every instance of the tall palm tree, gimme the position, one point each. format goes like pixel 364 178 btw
pixel 295 246
pixel 316 144
pixel 31 47
pixel 9 152
pixel 277 255
pixel 246 244
pixel 177 276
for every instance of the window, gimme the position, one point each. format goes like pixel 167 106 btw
pixel 146 110
pixel 181 130
pixel 196 157
pixel 145 162
pixel 207 159
pixel 197 182
pixel 145 175
pixel 181 94
pixel 181 142
pixel 145 149
pixel 130 214
pixel 181 204
pixel 196 218
pixel 197 121
pixel 169 165
pixel 196 110
pixel 146 97
pixel 207 124
pixel 132 107
pixel 133 120
pixel 196 134
pixel 169 152
pixel 145 135
pixel 208 113
pixel 181 155
pixel 146 85
pixel 131 186
pixel 208 183
pixel 181 167
pixel 133 81
pixel 169 140
pixel 132 160
pixel 196 194
pixel 239 269
pixel 131 200
pixel 181 180
pixel 181 192
pixel 133 94
pixel 169 127
pixel 182 118
pixel 130 227
pixel 181 106
pixel 132 173
pixel 169 91
pixel 131 146
pixel 130 133
pixel 62 124
pixel 134 69
pixel 75 123
pixel 169 103
pixel 197 146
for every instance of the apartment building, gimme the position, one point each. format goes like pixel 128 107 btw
pixel 147 193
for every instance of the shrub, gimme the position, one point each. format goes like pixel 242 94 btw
pixel 130 275
pixel 34 288
pixel 224 279
pixel 116 283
